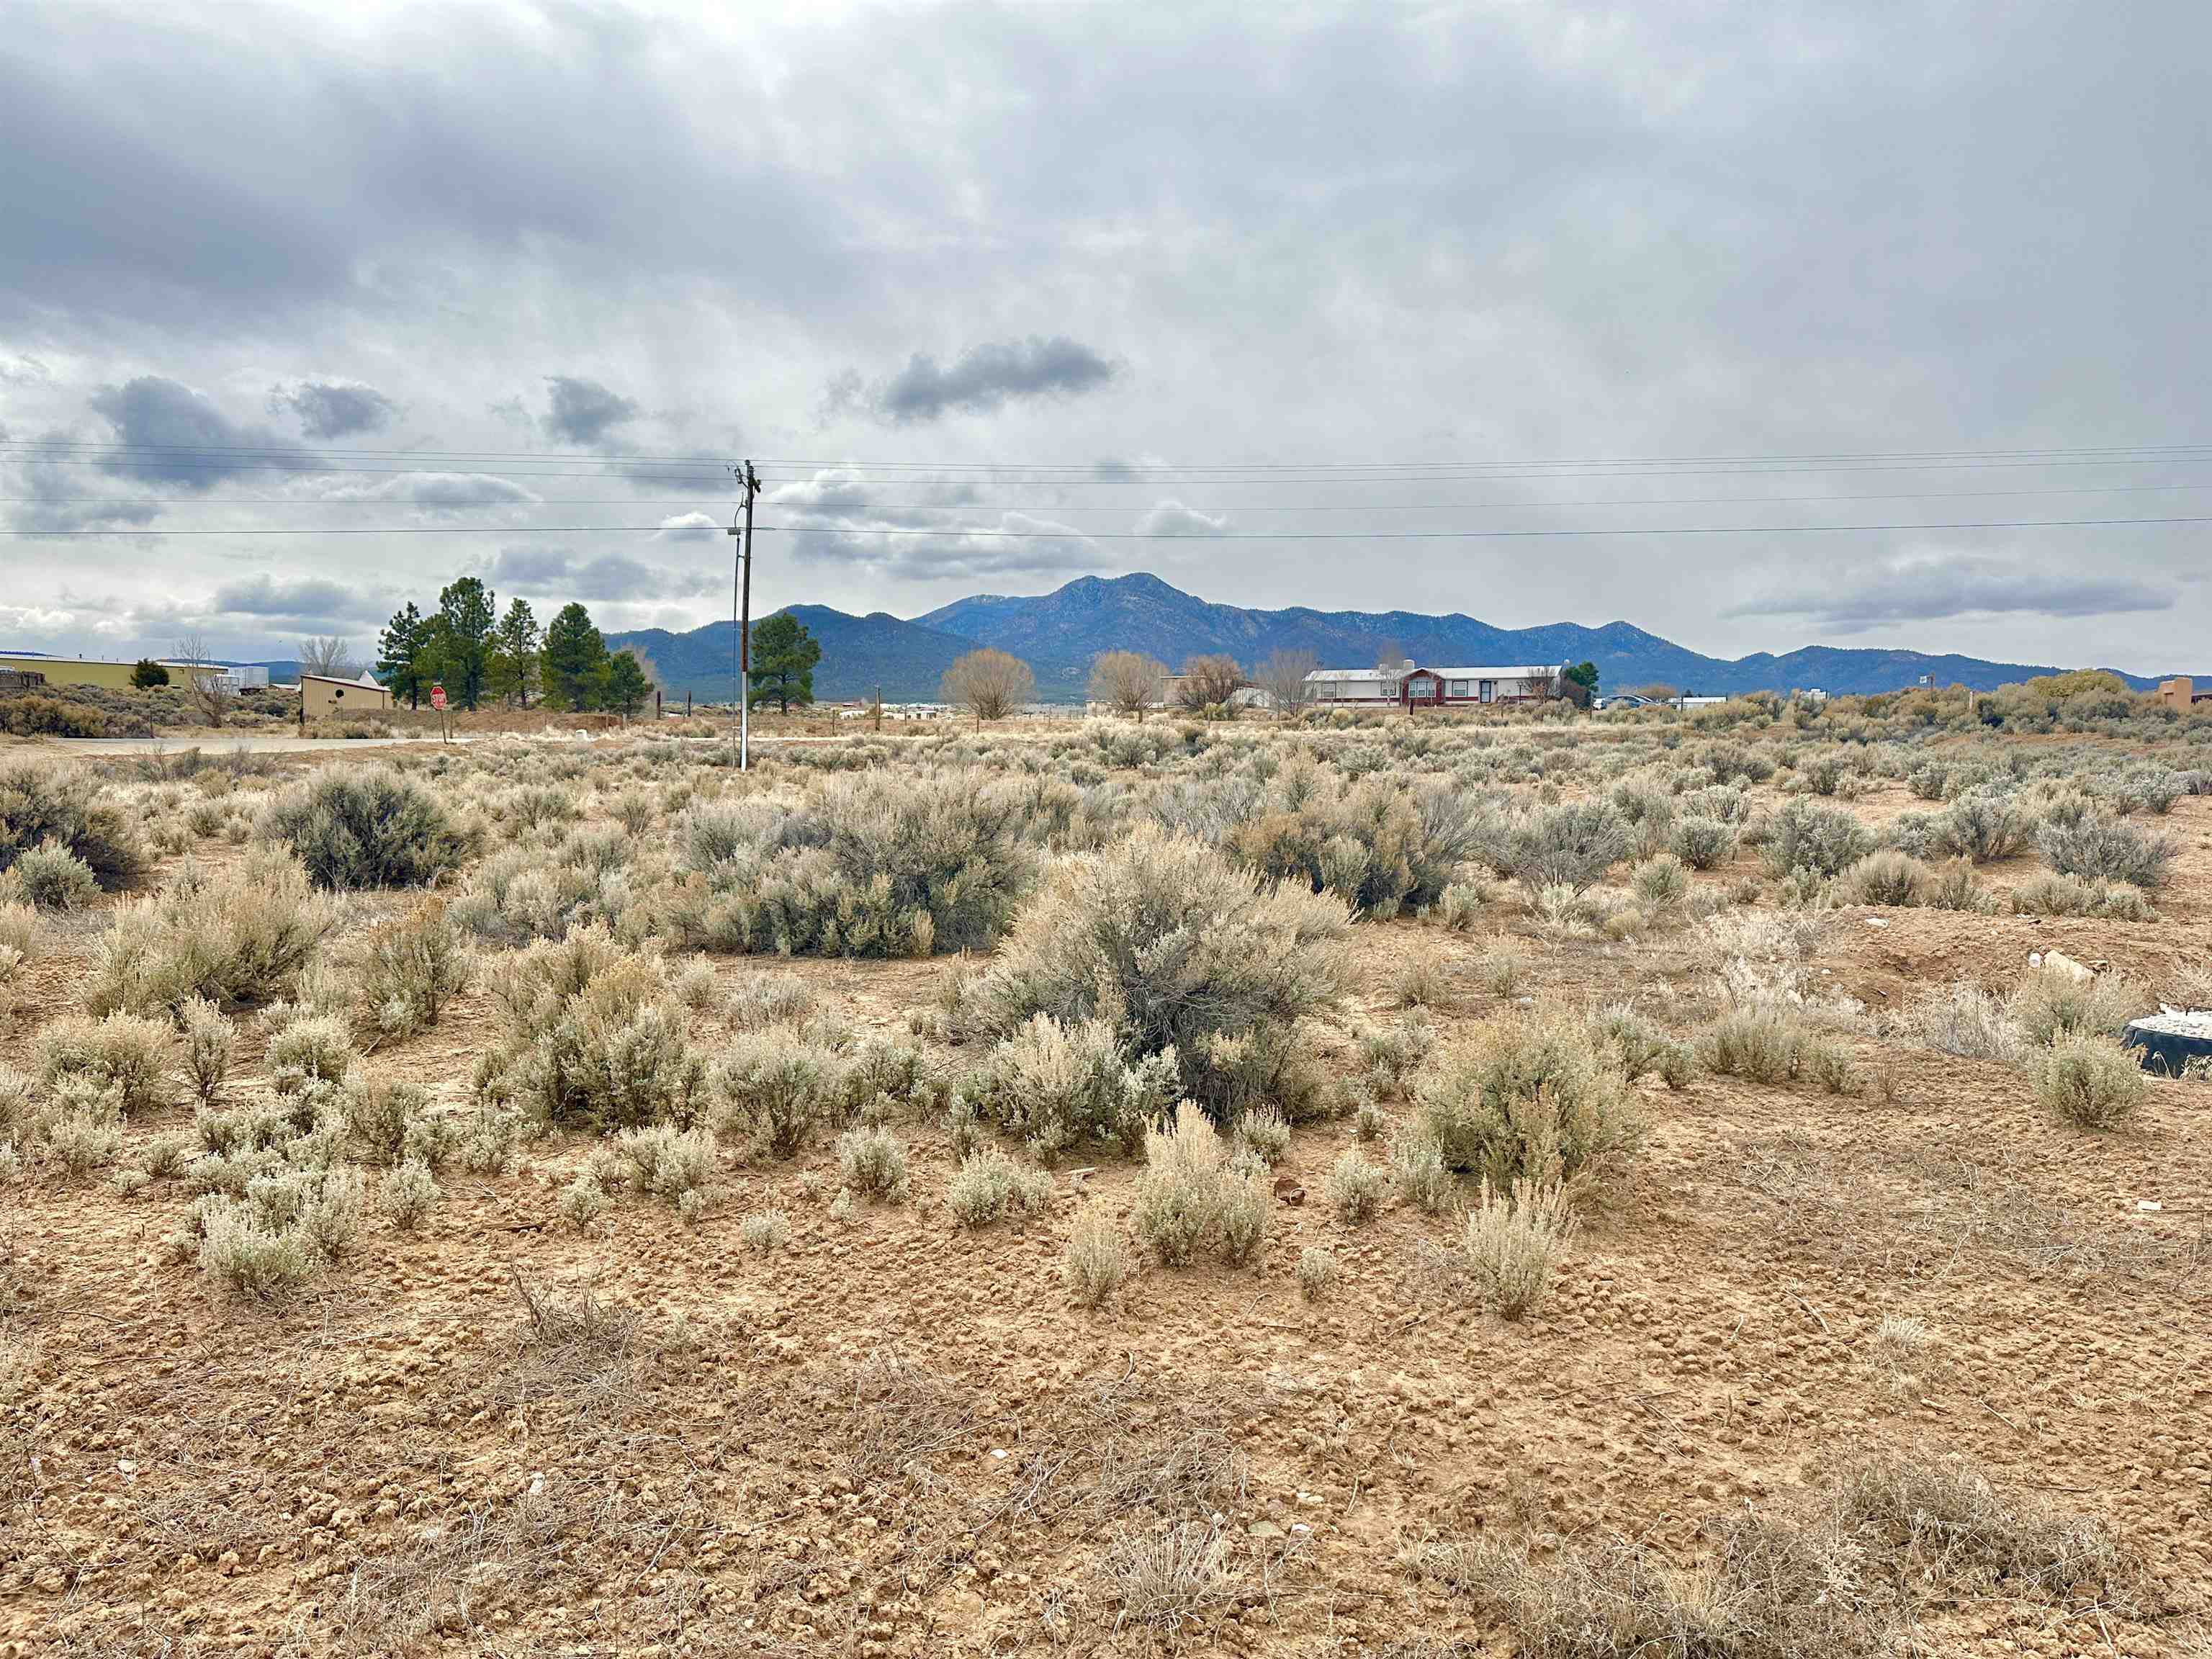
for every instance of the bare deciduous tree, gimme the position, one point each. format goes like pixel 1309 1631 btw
pixel 1208 681
pixel 207 693
pixel 331 657
pixel 1283 677
pixel 989 684
pixel 1389 654
pixel 1127 680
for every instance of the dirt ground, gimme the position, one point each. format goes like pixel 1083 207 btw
pixel 896 1436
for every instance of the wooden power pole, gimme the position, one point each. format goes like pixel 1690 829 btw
pixel 741 648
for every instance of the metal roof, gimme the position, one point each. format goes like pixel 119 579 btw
pixel 1520 673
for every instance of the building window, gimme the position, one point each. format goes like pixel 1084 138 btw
pixel 1459 687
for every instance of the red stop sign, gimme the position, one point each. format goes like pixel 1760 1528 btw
pixel 437 696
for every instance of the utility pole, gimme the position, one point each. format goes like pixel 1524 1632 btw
pixel 741 648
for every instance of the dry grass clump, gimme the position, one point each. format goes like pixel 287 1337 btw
pixel 989 1187
pixel 1178 949
pixel 1832 1576
pixel 1531 1096
pixel 1095 1261
pixel 874 1164
pixel 120 1054
pixel 2090 1081
pixel 1065 1088
pixel 1192 1199
pixel 237 937
pixel 356 827
pixel 46 805
pixel 1513 1243
pixel 1765 1042
pixel 1176 1577
pixel 1966 1020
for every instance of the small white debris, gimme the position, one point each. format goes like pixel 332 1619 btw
pixel 126 1468
pixel 997 1451
pixel 1877 921
pixel 2150 1204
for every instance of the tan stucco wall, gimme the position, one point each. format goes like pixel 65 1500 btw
pixel 334 699
pixel 77 670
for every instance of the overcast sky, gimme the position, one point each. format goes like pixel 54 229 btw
pixel 1109 241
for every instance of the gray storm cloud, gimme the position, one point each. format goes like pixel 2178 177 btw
pixel 333 409
pixel 984 377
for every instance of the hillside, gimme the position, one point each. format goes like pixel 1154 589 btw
pixel 859 653
pixel 1059 633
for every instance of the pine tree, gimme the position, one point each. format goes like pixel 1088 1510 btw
pixel 514 648
pixel 575 659
pixel 399 655
pixel 626 683
pixel 466 617
pixel 783 658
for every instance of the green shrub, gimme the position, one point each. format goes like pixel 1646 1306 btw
pixel 2054 894
pixel 358 827
pixel 1530 1096
pixel 2090 1081
pixel 1764 1043
pixel 1660 881
pixel 1179 952
pixel 776 1095
pixel 593 1036
pixel 1192 1199
pixel 1703 843
pixel 407 1192
pixel 1064 1088
pixel 43 803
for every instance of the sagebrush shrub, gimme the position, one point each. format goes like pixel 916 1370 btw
pixel 775 1094
pixel 2050 1003
pixel 356 827
pixel 1095 1261
pixel 666 1163
pixel 873 1162
pixel 2090 1081
pixel 122 1053
pixel 1570 845
pixel 1765 1041
pixel 1531 1096
pixel 1660 880
pixel 1192 1199
pixel 406 971
pixel 989 1186
pixel 1357 1188
pixel 2054 894
pixel 2098 846
pixel 1512 1244
pixel 1826 839
pixel 593 1035
pixel 1886 877
pixel 1064 1088
pixel 1177 950
pixel 237 938
pixel 407 1192
pixel 1966 1020
pixel 51 877
pixel 44 805
pixel 209 1040
pixel 309 1053
pixel 1317 1273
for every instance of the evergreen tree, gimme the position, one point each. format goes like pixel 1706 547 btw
pixel 514 648
pixel 147 674
pixel 399 655
pixel 466 618
pixel 575 657
pixel 783 658
pixel 625 683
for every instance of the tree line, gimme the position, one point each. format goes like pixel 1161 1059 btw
pixel 478 652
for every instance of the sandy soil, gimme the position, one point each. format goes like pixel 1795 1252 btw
pixel 899 1437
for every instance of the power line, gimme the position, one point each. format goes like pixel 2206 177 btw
pixel 1150 503
pixel 1156 536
